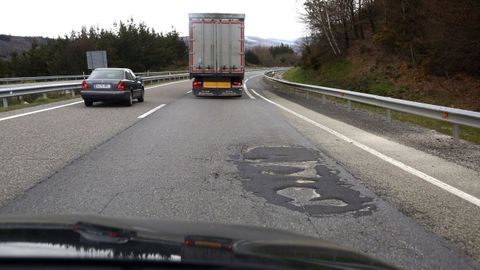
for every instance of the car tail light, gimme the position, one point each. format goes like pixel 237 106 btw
pixel 84 85
pixel 237 83
pixel 121 85
pixel 197 84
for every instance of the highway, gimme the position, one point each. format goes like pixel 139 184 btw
pixel 262 159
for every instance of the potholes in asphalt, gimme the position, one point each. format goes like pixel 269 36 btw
pixel 297 178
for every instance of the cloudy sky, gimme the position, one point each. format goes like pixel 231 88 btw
pixel 50 18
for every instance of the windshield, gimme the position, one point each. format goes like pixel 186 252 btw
pixel 341 125
pixel 107 74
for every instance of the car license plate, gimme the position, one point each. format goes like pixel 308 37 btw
pixel 101 86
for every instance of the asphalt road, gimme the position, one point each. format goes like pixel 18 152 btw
pixel 243 161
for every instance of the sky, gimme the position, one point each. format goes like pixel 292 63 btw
pixel 51 18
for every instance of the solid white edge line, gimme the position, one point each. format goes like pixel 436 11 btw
pixel 248 93
pixel 188 92
pixel 246 89
pixel 455 191
pixel 151 111
pixel 39 111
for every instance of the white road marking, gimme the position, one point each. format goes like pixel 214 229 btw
pixel 39 111
pixel 166 84
pixel 246 89
pixel 248 93
pixel 73 103
pixel 151 111
pixel 463 195
pixel 188 92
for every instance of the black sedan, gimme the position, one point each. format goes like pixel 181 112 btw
pixel 112 84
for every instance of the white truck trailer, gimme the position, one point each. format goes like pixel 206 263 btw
pixel 216 54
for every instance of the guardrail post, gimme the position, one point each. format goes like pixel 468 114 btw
pixel 389 115
pixel 72 92
pixel 306 94
pixel 456 133
pixel 349 104
pixel 5 102
pixel 324 99
pixel 44 95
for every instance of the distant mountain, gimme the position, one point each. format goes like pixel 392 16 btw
pixel 266 42
pixel 9 44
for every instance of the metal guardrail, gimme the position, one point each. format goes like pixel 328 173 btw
pixel 16 91
pixel 15 80
pixel 451 115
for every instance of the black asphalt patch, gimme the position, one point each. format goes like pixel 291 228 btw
pixel 296 178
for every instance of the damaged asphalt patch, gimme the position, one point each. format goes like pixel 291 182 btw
pixel 298 179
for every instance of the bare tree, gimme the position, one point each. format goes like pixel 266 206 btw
pixel 318 19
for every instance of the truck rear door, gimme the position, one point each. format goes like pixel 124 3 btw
pixel 216 46
pixel 229 49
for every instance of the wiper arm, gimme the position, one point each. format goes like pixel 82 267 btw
pixel 103 234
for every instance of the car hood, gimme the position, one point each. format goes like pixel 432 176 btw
pixel 96 237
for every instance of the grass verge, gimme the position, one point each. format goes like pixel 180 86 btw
pixel 15 103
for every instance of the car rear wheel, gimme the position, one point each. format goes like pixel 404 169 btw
pixel 88 103
pixel 130 99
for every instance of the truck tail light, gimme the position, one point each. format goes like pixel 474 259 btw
pixel 237 83
pixel 121 85
pixel 84 85
pixel 197 84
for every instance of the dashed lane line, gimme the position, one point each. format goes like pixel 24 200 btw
pixel 151 111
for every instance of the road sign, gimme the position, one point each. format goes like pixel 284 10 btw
pixel 97 59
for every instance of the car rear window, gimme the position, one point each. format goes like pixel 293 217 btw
pixel 107 74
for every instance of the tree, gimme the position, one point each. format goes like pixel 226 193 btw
pixel 129 44
pixel 282 49
pixel 440 35
pixel 252 58
pixel 3 68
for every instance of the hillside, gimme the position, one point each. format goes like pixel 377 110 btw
pixel 424 51
pixel 9 44
pixel 366 67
